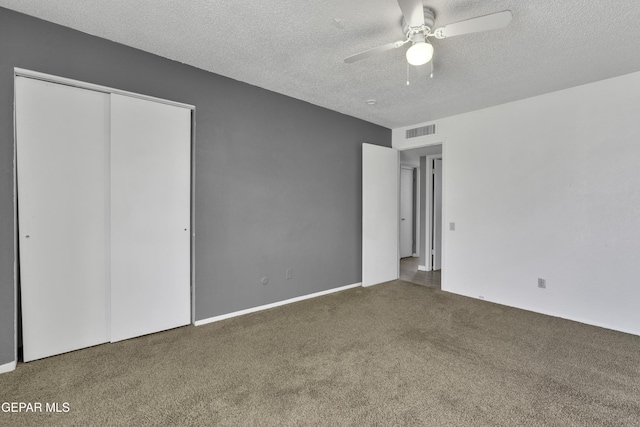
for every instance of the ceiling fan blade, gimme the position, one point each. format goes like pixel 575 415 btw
pixel 475 25
pixel 374 51
pixel 413 11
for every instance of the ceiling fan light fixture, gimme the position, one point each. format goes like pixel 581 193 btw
pixel 420 53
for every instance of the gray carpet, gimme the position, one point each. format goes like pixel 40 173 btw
pixel 392 354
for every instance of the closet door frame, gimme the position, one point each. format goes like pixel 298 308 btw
pixel 21 72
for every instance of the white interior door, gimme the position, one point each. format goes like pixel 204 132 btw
pixel 62 136
pixel 380 199
pixel 406 212
pixel 437 214
pixel 150 216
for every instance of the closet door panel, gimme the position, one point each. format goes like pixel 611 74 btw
pixel 62 136
pixel 150 216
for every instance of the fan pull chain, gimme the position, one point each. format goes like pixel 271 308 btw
pixel 408 73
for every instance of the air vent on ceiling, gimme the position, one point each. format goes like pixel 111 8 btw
pixel 421 131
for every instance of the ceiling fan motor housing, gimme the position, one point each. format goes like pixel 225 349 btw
pixel 429 22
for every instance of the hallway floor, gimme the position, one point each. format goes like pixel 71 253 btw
pixel 409 272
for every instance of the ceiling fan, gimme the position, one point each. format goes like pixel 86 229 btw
pixel 418 25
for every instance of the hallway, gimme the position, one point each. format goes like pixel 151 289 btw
pixel 409 272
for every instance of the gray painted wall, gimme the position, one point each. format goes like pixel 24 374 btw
pixel 278 180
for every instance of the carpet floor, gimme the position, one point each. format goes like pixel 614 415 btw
pixel 392 354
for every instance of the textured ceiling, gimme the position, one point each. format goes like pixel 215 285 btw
pixel 296 47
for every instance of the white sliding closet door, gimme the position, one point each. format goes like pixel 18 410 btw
pixel 150 216
pixel 62 136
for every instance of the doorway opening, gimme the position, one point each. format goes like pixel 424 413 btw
pixel 421 216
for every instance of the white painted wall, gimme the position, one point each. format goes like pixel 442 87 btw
pixel 547 187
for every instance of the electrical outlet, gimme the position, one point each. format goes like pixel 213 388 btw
pixel 542 283
pixel 289 273
pixel 452 226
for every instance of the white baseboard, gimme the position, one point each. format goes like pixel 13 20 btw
pixel 553 314
pixel 378 283
pixel 8 367
pixel 272 305
pixel 422 268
